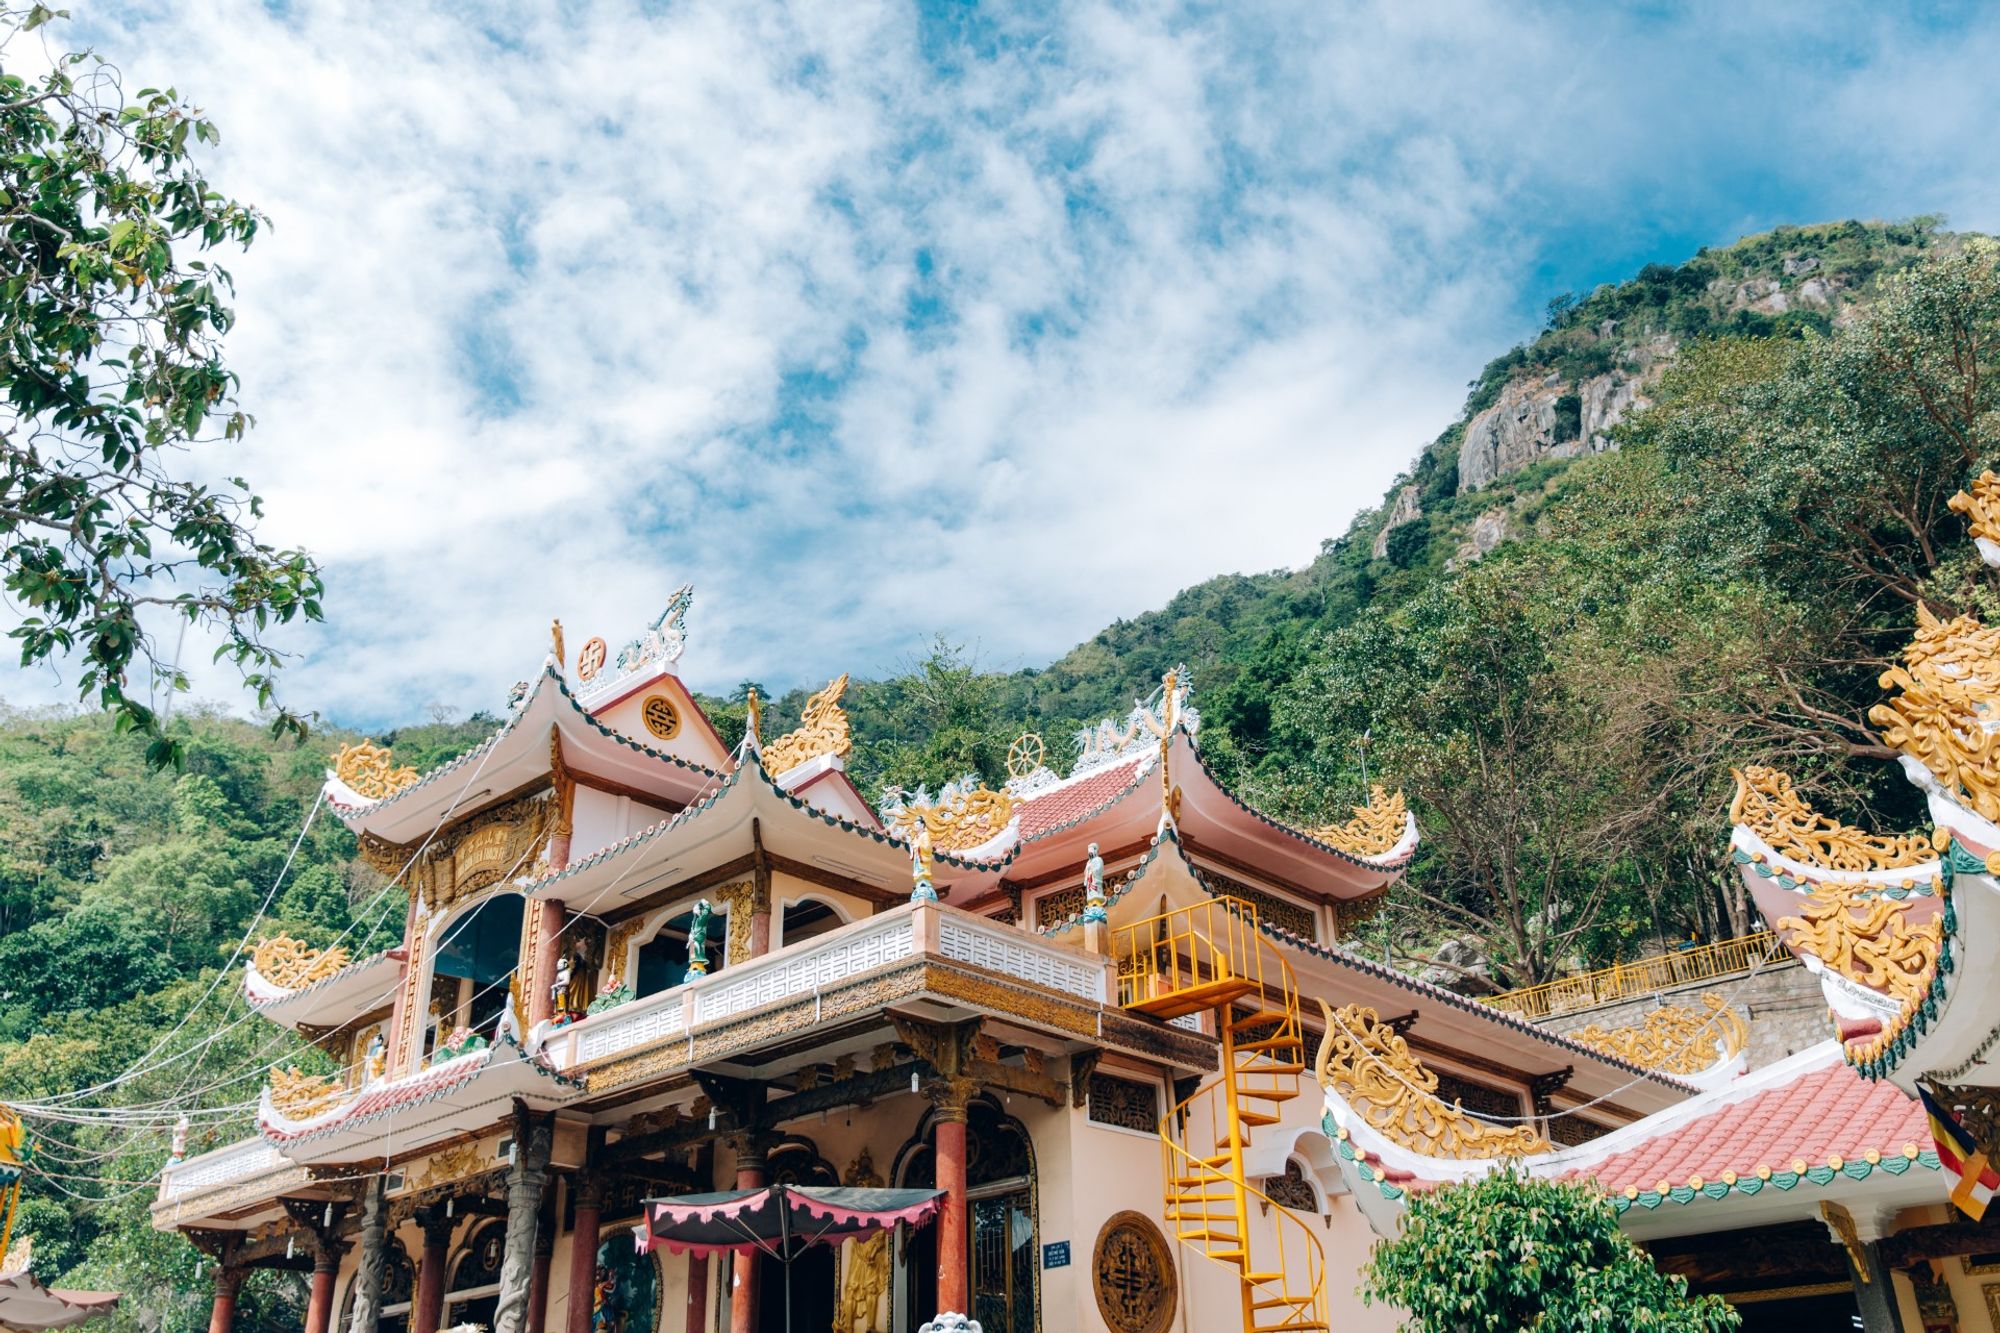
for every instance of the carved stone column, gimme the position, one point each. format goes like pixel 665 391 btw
pixel 428 1314
pixel 751 1174
pixel 952 1097
pixel 538 1277
pixel 589 1192
pixel 525 1179
pixel 368 1277
pixel 222 1315
pixel 319 1305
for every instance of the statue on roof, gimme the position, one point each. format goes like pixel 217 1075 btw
pixel 1093 888
pixel 921 888
pixel 664 638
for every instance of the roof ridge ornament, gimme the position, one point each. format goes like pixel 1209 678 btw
pixel 1942 719
pixel 965 813
pixel 370 770
pixel 659 647
pixel 825 732
pixel 1374 830
pixel 1766 804
pixel 1674 1038
pixel 1109 742
pixel 1980 504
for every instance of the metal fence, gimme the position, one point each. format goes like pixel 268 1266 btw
pixel 1625 981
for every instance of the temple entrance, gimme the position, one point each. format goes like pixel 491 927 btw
pixel 814 1275
pixel 1000 1192
pixel 399 1289
pixel 473 1296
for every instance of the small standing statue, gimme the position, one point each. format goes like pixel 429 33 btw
pixel 1093 887
pixel 559 988
pixel 180 1148
pixel 922 890
pixel 376 1062
pixel 698 940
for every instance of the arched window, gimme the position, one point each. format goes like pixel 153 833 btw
pixel 663 960
pixel 480 950
pixel 806 917
pixel 473 1296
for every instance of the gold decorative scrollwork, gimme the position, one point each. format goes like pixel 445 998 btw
pixel 965 814
pixel 1766 804
pixel 1949 681
pixel 1673 1039
pixel 1981 507
pixel 617 945
pixel 300 1096
pixel 825 732
pixel 1376 827
pixel 1373 1069
pixel 370 770
pixel 740 901
pixel 284 961
pixel 1879 949
pixel 494 845
pixel 467 1159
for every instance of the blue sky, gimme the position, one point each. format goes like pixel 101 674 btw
pixel 875 320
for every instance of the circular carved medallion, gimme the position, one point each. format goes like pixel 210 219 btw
pixel 662 718
pixel 1025 755
pixel 590 660
pixel 1133 1274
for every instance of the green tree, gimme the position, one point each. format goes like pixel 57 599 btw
pixel 111 321
pixel 1510 1252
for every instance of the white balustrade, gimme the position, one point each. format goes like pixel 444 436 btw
pixel 785 975
pixel 1009 951
pixel 657 1017
pixel 239 1161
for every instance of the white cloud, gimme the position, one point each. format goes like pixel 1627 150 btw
pixel 561 309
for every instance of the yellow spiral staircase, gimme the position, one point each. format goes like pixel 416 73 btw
pixel 1207 957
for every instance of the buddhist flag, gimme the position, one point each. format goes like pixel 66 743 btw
pixel 1974 1181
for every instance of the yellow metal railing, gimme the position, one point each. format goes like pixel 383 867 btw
pixel 1206 957
pixel 1625 981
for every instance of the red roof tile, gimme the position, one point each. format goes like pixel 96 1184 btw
pixel 1067 804
pixel 1823 1114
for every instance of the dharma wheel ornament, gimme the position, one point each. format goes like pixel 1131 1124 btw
pixel 1025 755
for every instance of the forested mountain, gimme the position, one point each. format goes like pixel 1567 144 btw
pixel 1684 528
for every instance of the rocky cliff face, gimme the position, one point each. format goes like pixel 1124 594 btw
pixel 1547 417
pixel 1403 509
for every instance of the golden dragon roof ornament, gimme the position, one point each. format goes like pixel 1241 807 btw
pixel 1673 1039
pixel 1376 827
pixel 284 961
pixel 370 770
pixel 1981 507
pixel 965 814
pixel 1879 948
pixel 300 1096
pixel 1372 1068
pixel 825 732
pixel 1766 804
pixel 1949 681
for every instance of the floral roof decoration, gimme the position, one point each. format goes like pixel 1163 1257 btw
pixel 1366 1063
pixel 1675 1038
pixel 371 770
pixel 1766 804
pixel 1948 682
pixel 1374 830
pixel 292 964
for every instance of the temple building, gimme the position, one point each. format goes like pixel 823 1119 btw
pixel 1087 1007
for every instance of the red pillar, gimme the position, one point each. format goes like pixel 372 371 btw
pixel 538 1291
pixel 429 1311
pixel 697 1305
pixel 583 1257
pixel 760 932
pixel 743 1296
pixel 319 1308
pixel 228 1281
pixel 548 946
pixel 952 1288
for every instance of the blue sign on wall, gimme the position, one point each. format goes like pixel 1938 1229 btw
pixel 1056 1255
